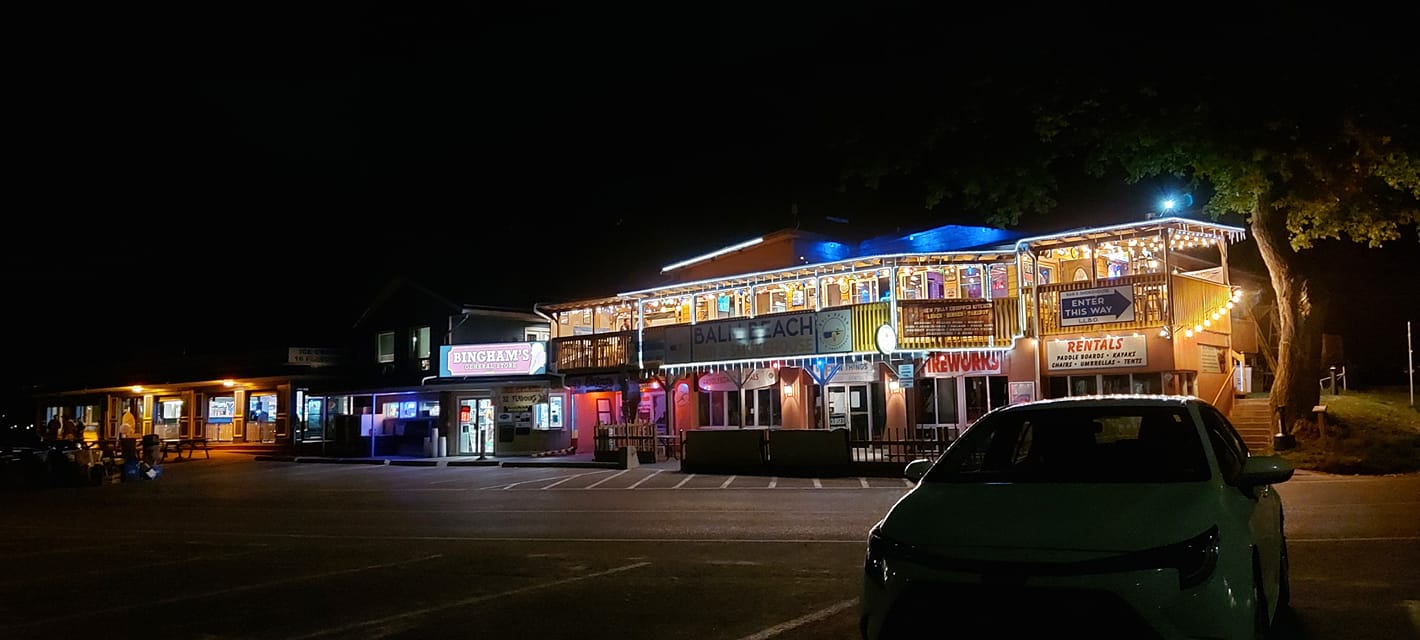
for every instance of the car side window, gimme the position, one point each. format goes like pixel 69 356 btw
pixel 1227 445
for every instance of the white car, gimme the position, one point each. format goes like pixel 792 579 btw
pixel 1101 517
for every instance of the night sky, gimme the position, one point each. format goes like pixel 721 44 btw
pixel 185 157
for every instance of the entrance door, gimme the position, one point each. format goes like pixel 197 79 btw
pixel 475 427
pixel 851 406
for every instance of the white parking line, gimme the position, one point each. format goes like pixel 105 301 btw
pixel 614 475
pixel 907 483
pixel 801 621
pixel 728 481
pixel 465 602
pixel 773 482
pixel 571 477
pixel 818 484
pixel 863 482
pixel 652 475
pixel 682 482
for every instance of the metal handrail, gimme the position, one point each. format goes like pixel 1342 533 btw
pixel 1332 380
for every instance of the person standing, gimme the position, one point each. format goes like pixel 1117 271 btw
pixel 54 428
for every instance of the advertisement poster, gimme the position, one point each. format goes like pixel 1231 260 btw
pixel 1096 353
pixel 1022 392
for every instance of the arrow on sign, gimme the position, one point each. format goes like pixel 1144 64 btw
pixel 1113 300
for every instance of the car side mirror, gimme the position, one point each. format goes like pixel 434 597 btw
pixel 1263 470
pixel 916 469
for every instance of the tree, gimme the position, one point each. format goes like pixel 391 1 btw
pixel 1311 154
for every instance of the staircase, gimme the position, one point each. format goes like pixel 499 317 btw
pixel 1252 417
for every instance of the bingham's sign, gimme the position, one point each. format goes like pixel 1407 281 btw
pixel 498 359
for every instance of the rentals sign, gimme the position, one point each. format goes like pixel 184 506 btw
pixel 1096 353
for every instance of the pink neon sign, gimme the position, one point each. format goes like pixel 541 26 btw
pixel 500 359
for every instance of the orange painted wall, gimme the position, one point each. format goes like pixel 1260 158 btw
pixel 686 404
pixel 794 410
pixel 584 417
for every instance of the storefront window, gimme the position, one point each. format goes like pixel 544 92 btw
pixel 1083 386
pixel 720 408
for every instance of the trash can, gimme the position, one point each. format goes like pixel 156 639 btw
pixel 151 448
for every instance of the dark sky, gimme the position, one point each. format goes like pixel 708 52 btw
pixel 185 157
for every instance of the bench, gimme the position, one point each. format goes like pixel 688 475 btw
pixel 176 445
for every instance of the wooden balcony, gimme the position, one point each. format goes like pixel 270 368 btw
pixel 599 351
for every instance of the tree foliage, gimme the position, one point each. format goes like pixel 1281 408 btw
pixel 1307 153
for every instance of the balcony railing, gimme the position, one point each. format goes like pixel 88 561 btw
pixel 600 351
pixel 1149 303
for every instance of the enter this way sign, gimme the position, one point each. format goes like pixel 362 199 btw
pixel 1096 306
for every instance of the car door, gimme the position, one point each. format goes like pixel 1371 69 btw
pixel 1265 506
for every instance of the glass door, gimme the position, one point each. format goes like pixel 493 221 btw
pixel 851 406
pixel 475 424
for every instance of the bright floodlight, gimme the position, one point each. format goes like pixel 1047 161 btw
pixel 1168 204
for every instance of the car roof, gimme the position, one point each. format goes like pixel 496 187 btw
pixel 1110 400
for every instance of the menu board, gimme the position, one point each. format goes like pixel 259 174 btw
pixel 946 318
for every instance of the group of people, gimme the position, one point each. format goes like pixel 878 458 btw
pixel 64 428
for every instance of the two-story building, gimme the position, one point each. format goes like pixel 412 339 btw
pixel 909 336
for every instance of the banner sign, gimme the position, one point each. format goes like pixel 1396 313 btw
pixel 945 318
pixel 957 363
pixel 499 359
pixel 736 379
pixel 312 356
pixel 1096 353
pixel 789 334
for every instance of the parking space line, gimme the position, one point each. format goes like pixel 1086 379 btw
pixel 907 483
pixel 818 484
pixel 727 481
pixel 598 483
pixel 682 482
pixel 800 621
pixel 773 482
pixel 648 477
pixel 567 479
pixel 863 482
pixel 465 602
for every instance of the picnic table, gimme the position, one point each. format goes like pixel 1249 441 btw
pixel 192 444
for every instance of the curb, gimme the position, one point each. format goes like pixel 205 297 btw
pixel 473 463
pixel 416 463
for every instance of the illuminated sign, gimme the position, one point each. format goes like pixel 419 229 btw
pixel 1096 353
pixel 498 359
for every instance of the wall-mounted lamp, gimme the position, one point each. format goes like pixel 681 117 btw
pixel 788 390
pixel 894 386
pixel 229 383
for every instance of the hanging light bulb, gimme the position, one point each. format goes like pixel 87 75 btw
pixel 1188 333
pixel 1198 328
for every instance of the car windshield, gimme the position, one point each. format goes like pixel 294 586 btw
pixel 1077 444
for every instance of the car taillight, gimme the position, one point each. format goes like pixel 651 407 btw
pixel 1195 558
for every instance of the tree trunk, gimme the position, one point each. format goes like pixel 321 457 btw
pixel 1300 311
